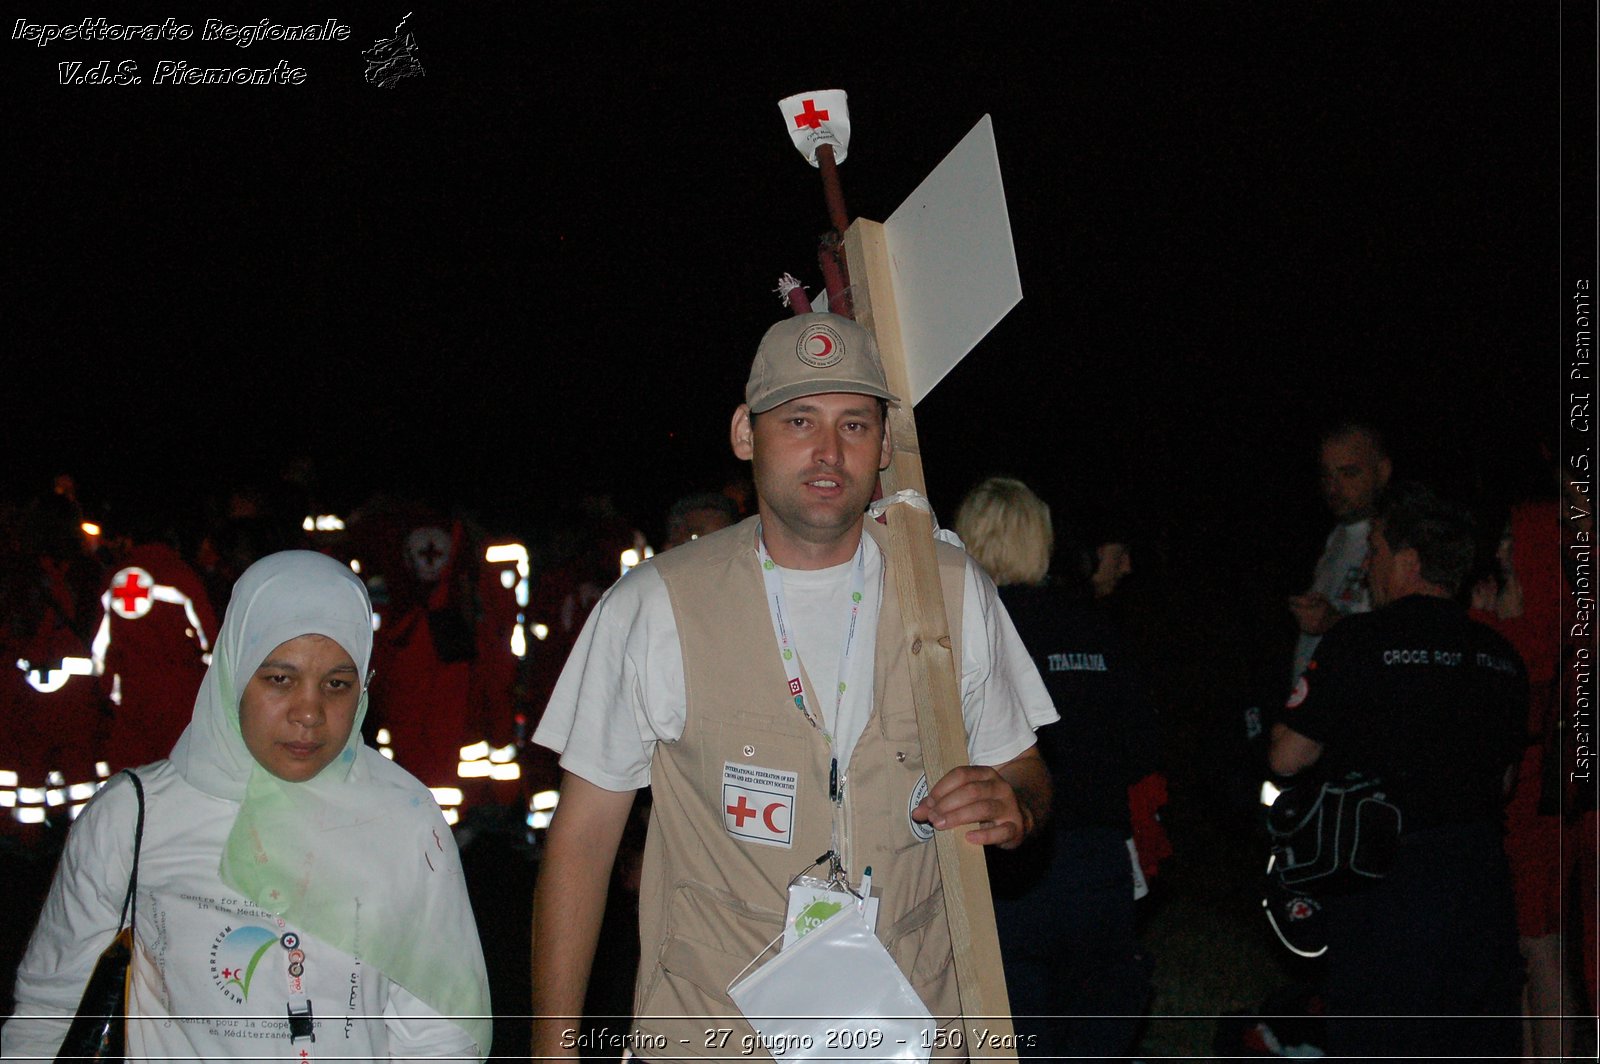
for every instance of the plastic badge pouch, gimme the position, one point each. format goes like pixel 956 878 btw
pixel 812 901
pixel 836 994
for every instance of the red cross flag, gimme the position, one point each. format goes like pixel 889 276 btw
pixel 815 118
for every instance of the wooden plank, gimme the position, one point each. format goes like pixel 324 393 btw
pixel 980 977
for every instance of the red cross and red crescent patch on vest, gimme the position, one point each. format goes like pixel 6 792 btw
pixel 758 803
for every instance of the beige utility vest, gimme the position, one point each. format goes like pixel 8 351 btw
pixel 710 902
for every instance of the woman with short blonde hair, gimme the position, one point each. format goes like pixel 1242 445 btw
pixel 1007 528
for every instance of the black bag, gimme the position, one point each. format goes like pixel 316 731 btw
pixel 98 1031
pixel 1333 836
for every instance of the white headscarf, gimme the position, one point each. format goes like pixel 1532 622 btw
pixel 358 856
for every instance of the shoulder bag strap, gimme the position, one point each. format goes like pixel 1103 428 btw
pixel 129 903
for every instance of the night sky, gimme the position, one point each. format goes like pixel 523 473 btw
pixel 540 270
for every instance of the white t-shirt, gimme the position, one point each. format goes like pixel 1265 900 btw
pixel 1341 578
pixel 211 972
pixel 622 690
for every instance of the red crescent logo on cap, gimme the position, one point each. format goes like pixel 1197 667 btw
pixel 820 346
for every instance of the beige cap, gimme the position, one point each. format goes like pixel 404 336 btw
pixel 810 354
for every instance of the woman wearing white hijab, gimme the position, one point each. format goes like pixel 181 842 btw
pixel 286 870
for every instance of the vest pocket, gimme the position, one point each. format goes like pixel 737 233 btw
pixel 772 742
pixel 709 938
pixel 920 942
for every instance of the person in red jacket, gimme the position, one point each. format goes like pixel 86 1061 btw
pixel 1522 601
pixel 152 648
pixel 51 712
pixel 444 669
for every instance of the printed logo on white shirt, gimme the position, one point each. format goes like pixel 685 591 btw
pixel 236 953
pixel 758 803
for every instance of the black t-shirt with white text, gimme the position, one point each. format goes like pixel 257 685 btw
pixel 1106 738
pixel 1430 701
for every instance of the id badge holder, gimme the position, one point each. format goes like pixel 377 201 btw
pixel 836 994
pixel 813 900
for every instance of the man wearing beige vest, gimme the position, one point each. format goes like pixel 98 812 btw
pixel 757 681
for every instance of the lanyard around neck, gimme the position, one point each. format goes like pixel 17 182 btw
pixel 789 653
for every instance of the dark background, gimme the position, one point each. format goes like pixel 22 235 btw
pixel 540 270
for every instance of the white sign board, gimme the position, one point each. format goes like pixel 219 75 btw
pixel 953 261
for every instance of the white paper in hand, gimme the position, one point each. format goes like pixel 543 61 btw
pixel 817 118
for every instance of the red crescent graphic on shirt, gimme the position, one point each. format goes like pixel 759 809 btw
pixel 766 816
